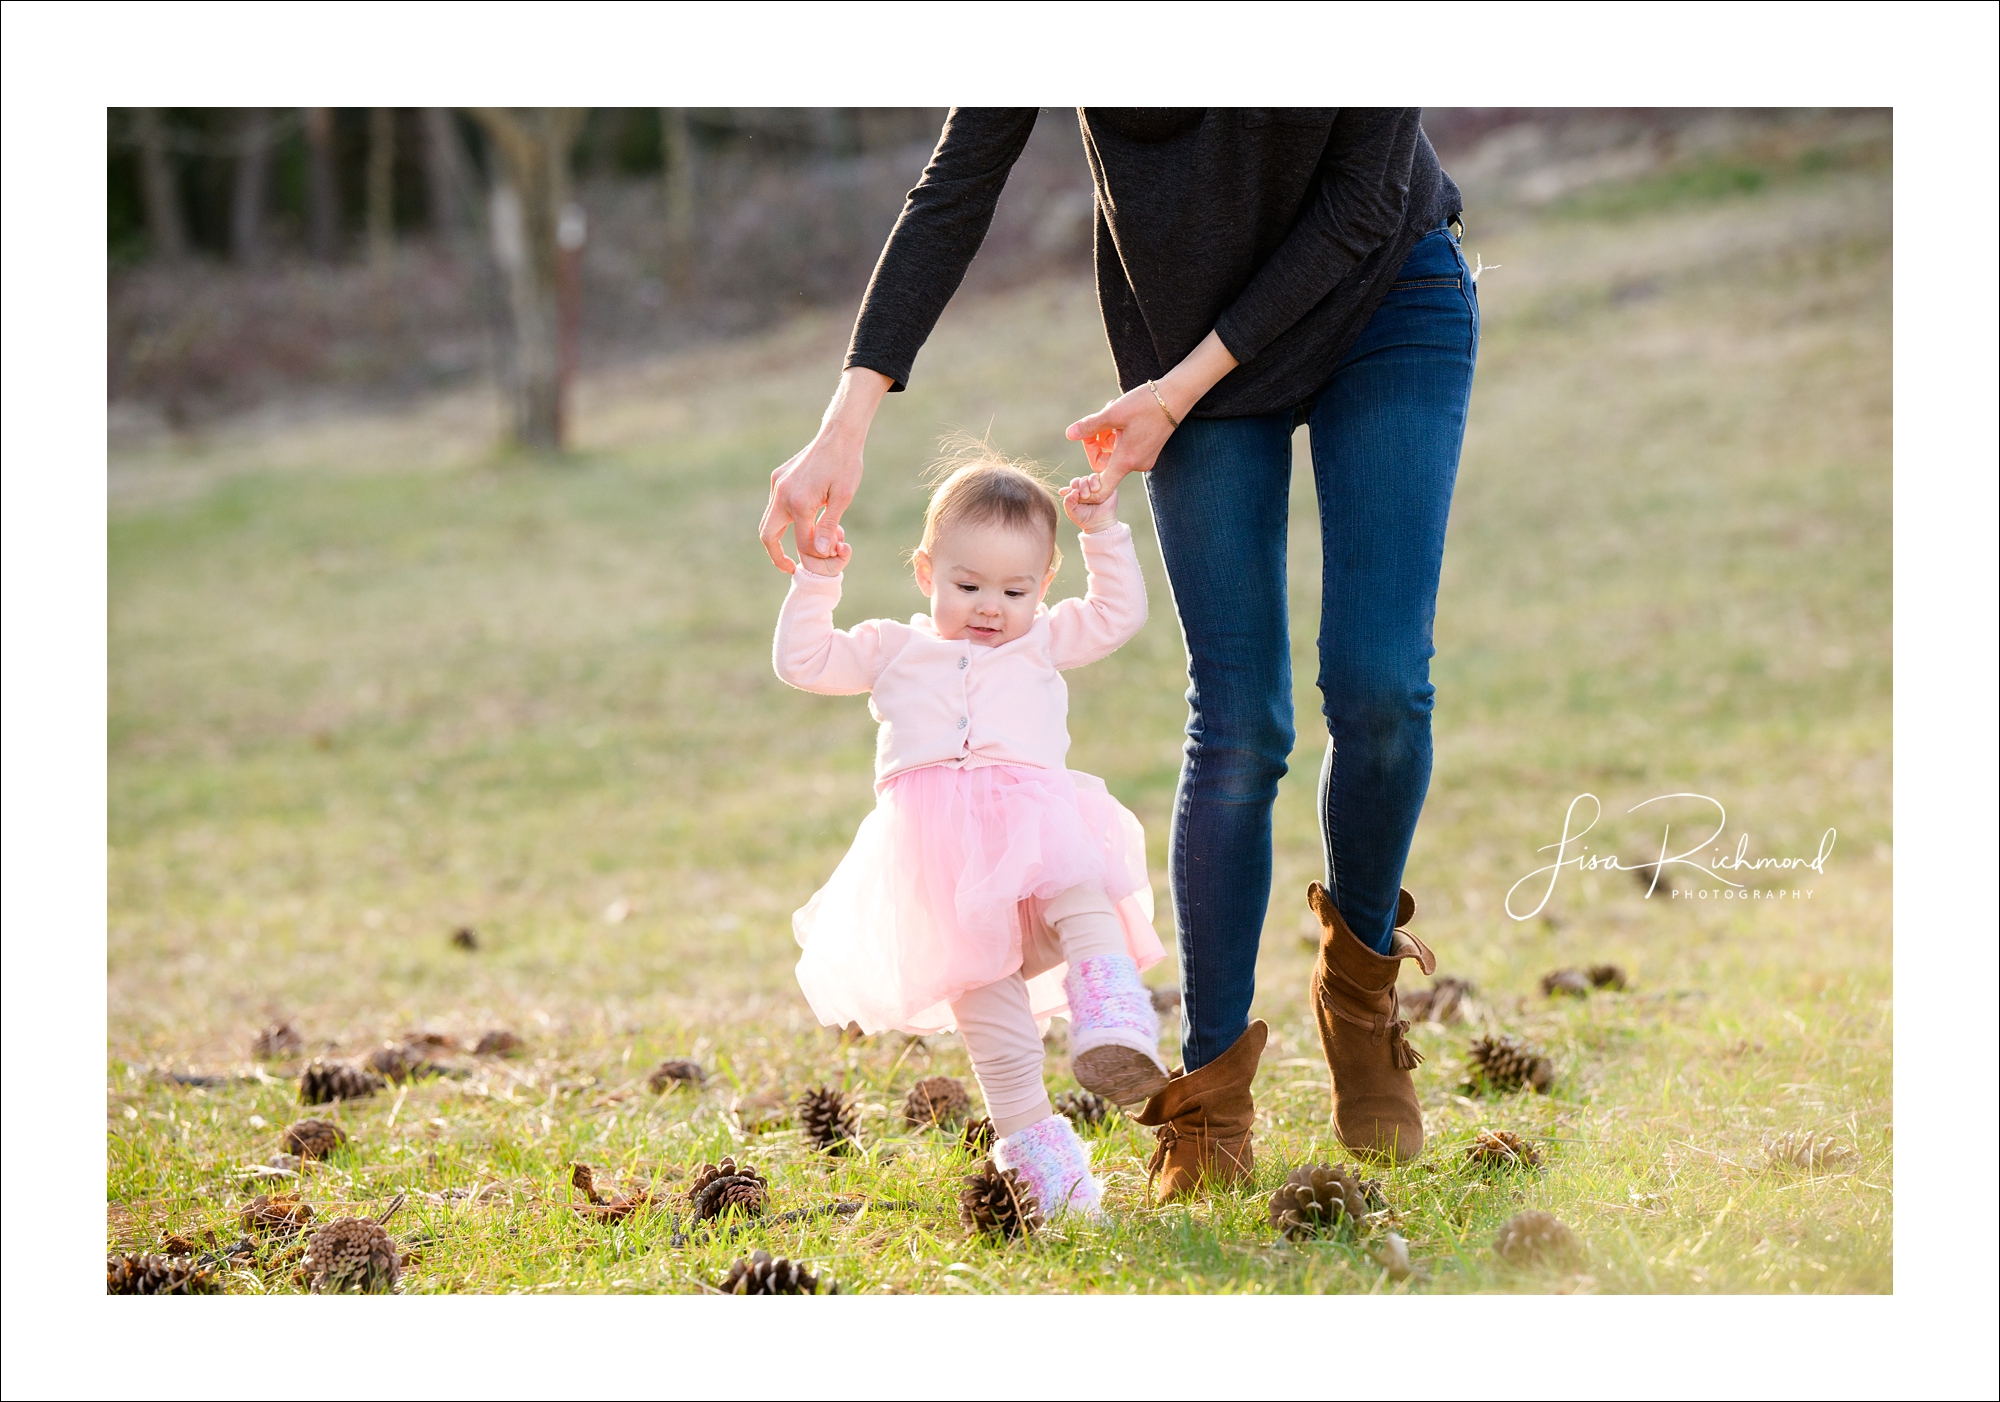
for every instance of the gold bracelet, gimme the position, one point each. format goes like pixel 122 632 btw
pixel 1163 404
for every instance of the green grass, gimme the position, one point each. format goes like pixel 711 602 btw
pixel 370 682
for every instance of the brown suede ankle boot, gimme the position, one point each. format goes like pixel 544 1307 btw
pixel 1204 1119
pixel 1361 1031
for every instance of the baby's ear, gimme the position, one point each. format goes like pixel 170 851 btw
pixel 920 560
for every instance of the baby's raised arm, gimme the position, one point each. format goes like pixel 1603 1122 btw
pixel 1112 611
pixel 813 655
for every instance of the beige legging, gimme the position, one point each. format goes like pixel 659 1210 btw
pixel 1000 1034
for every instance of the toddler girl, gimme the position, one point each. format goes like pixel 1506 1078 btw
pixel 991 888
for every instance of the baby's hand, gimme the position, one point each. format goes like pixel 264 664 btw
pixel 829 564
pixel 1089 516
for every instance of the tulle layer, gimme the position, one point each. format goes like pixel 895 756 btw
pixel 938 894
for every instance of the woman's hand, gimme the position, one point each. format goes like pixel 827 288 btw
pixel 811 489
pixel 1126 435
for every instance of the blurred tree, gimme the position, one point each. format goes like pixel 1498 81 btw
pixel 381 185
pixel 322 189
pixel 446 177
pixel 158 181
pixel 531 146
pixel 252 187
pixel 677 152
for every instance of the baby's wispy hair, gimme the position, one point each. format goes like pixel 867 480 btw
pixel 972 482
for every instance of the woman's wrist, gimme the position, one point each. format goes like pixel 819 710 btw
pixel 1198 372
pixel 852 409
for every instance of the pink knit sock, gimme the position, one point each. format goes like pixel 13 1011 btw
pixel 1054 1163
pixel 1108 1005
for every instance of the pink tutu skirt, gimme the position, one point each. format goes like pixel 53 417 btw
pixel 936 896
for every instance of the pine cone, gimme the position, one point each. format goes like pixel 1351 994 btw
pixel 762 1274
pixel 673 1074
pixel 312 1139
pixel 727 1186
pixel 174 1244
pixel 431 1041
pixel 465 937
pixel 1573 982
pixel 1606 976
pixel 828 1120
pixel 1508 1063
pixel 936 1102
pixel 498 1042
pixel 1500 1148
pixel 323 1082
pixel 352 1254
pixel 401 1062
pixel 1312 1201
pixel 276 1042
pixel 278 1216
pixel 1165 1000
pixel 1533 1237
pixel 143 1273
pixel 1441 1002
pixel 1801 1148
pixel 1082 1109
pixel 977 1136
pixel 996 1202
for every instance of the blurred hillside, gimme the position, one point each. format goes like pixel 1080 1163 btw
pixel 262 256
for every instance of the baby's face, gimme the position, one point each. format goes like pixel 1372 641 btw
pixel 984 581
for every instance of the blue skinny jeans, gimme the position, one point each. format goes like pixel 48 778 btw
pixel 1386 432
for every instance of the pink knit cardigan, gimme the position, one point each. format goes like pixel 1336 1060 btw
pixel 960 703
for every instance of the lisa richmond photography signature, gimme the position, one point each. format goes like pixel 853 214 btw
pixel 1570 851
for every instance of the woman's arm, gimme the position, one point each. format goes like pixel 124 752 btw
pixel 1126 435
pixel 942 225
pixel 812 487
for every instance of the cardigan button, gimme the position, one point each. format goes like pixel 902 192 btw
pixel 963 663
pixel 961 722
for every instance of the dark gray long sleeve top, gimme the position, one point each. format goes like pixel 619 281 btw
pixel 1278 228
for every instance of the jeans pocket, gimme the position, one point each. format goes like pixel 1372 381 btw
pixel 1433 262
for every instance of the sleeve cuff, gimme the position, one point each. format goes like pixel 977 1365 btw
pixel 881 365
pixel 1234 339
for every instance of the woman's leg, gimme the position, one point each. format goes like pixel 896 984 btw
pixel 1220 494
pixel 1386 433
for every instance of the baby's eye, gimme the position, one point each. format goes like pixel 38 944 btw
pixel 969 588
pixel 1015 593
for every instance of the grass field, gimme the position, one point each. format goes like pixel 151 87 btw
pixel 371 682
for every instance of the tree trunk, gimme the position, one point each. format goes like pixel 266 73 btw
pixel 381 185
pixel 158 187
pixel 445 178
pixel 322 190
pixel 531 184
pixel 677 151
pixel 253 182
